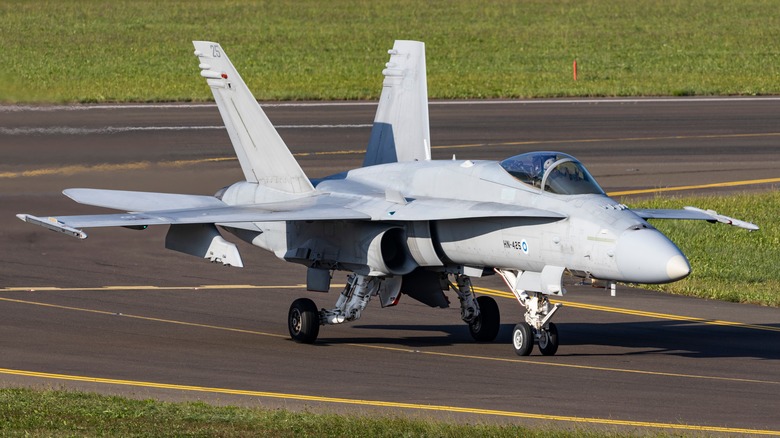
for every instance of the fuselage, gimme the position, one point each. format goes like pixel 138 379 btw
pixel 591 235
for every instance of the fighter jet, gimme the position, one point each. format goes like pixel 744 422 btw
pixel 403 224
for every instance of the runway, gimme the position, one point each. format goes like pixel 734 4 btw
pixel 119 314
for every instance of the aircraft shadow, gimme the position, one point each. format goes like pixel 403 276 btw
pixel 679 338
pixel 431 336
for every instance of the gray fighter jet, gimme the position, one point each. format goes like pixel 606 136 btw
pixel 403 223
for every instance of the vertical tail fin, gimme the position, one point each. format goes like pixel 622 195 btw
pixel 401 129
pixel 264 157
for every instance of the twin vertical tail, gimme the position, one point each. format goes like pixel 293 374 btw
pixel 401 129
pixel 263 155
pixel 400 132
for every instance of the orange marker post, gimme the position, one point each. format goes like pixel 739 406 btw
pixel 574 67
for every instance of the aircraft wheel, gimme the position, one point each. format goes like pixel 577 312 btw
pixel 303 321
pixel 548 342
pixel 523 339
pixel 485 327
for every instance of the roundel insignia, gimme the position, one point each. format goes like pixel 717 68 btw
pixel 524 246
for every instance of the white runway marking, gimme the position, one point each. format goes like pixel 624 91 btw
pixel 85 107
pixel 32 108
pixel 67 130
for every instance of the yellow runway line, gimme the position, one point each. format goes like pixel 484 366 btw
pixel 697 187
pixel 400 349
pixel 388 404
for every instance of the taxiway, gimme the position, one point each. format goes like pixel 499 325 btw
pixel 118 313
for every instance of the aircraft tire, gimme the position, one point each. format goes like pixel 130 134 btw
pixel 548 342
pixel 303 321
pixel 523 339
pixel 485 327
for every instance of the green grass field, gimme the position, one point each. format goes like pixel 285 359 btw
pixel 89 51
pixel 29 413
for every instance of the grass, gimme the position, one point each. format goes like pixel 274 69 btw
pixel 34 413
pixel 728 263
pixel 89 51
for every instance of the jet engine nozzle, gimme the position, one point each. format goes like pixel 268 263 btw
pixel 647 256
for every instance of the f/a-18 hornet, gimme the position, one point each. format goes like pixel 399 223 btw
pixel 404 224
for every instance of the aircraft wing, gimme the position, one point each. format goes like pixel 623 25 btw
pixel 208 215
pixel 693 213
pixel 220 215
pixel 147 208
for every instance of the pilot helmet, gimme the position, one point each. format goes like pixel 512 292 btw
pixel 542 163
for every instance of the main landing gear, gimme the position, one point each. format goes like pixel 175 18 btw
pixel 304 320
pixel 480 313
pixel 537 327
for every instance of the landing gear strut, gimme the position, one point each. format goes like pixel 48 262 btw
pixel 537 327
pixel 304 320
pixel 480 313
pixel 353 299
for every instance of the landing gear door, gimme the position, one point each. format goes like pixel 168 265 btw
pixel 390 291
pixel 548 282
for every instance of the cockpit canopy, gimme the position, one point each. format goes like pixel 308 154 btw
pixel 553 172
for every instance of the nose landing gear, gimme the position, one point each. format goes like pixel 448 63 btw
pixel 523 338
pixel 537 327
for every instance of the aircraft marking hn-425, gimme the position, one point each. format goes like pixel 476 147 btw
pixel 403 224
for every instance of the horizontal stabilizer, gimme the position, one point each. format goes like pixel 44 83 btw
pixel 140 201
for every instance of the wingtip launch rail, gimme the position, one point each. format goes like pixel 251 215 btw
pixel 53 224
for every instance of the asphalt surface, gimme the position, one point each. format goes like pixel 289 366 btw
pixel 119 314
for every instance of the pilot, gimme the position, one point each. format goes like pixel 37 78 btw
pixel 541 164
pixel 548 162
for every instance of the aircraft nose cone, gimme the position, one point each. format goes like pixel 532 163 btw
pixel 678 268
pixel 647 256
